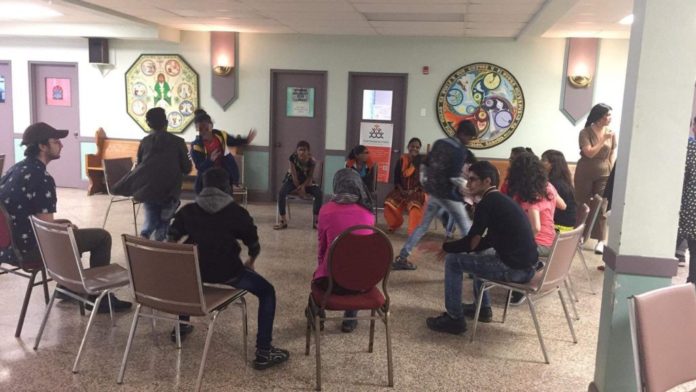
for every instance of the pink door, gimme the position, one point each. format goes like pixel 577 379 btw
pixel 55 101
pixel 6 124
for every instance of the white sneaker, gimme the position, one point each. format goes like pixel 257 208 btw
pixel 599 248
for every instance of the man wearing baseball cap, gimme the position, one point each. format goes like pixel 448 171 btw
pixel 28 189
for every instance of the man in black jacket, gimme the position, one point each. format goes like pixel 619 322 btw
pixel 215 223
pixel 507 251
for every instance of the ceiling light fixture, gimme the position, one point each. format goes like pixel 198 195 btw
pixel 24 11
pixel 626 20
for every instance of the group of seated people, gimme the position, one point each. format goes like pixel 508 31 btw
pixel 509 232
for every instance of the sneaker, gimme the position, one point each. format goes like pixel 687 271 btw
pixel 184 331
pixel 402 264
pixel 117 304
pixel 348 326
pixel 485 316
pixel 599 248
pixel 445 323
pixel 268 358
pixel 517 298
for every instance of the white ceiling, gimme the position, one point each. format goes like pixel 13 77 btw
pixel 147 19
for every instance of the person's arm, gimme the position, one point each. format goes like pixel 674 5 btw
pixel 293 174
pixel 245 230
pixel 310 174
pixel 560 203
pixel 587 148
pixel 534 220
pixel 199 158
pixel 177 229
pixel 241 141
pixel 184 161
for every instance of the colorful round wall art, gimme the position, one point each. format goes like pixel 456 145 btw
pixel 166 81
pixel 486 94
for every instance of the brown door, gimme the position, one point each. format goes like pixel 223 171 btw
pixel 298 112
pixel 378 98
pixel 6 123
pixel 55 101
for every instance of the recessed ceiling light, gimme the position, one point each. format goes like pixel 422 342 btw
pixel 24 11
pixel 627 20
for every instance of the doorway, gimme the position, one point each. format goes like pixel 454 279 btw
pixel 298 112
pixel 378 98
pixel 6 120
pixel 55 101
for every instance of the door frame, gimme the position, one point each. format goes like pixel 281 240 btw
pixel 10 158
pixel 273 188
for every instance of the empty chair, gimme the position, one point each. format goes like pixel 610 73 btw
pixel 359 258
pixel 546 281
pixel 19 266
pixel 62 261
pixel 664 337
pixel 166 277
pixel 241 188
pixel 583 213
pixel 114 170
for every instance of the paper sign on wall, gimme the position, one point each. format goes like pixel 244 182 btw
pixel 378 138
pixel 58 92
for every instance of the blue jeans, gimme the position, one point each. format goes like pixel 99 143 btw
pixel 157 218
pixel 262 289
pixel 486 265
pixel 456 212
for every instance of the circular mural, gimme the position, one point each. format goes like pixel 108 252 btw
pixel 162 80
pixel 486 94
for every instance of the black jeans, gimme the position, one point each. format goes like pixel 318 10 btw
pixel 691 278
pixel 288 187
pixel 257 285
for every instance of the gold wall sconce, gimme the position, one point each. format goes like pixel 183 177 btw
pixel 222 70
pixel 580 76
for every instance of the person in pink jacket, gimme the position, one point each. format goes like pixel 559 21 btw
pixel 350 205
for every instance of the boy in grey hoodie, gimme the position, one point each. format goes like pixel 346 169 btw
pixel 216 223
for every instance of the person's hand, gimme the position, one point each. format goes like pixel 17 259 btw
pixel 301 192
pixel 215 155
pixel 251 136
pixel 608 135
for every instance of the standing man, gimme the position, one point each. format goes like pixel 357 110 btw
pixel 28 189
pixel 444 167
pixel 507 251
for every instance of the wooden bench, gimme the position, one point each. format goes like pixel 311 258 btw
pixel 116 148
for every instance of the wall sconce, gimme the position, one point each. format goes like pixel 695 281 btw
pixel 222 70
pixel 580 76
pixel 224 62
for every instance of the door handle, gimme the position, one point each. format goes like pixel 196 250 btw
pixel 278 145
pixel 76 134
pixel 396 150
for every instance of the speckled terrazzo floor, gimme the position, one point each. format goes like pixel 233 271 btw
pixel 504 357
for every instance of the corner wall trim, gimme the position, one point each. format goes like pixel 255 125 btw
pixel 665 267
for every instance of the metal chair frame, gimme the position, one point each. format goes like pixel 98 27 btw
pixel 240 189
pixel 119 198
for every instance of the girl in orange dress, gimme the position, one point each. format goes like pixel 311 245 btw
pixel 408 193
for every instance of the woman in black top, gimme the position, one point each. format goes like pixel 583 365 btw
pixel 559 175
pixel 299 180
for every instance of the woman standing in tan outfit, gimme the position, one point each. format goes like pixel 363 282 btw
pixel 597 147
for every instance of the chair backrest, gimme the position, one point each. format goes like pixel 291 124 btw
pixel 583 213
pixel 561 257
pixel 664 337
pixel 60 254
pixel 6 241
pixel 165 275
pixel 115 169
pixel 2 163
pixel 591 220
pixel 360 257
pixel 239 160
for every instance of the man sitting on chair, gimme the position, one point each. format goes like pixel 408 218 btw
pixel 507 252
pixel 28 189
pixel 215 223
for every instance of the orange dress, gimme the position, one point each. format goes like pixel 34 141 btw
pixel 407 195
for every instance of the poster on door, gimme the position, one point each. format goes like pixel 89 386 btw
pixel 58 92
pixel 378 139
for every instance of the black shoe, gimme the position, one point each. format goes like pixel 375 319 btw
pixel 348 326
pixel 268 358
pixel 402 264
pixel 517 298
pixel 184 330
pixel 445 323
pixel 117 304
pixel 485 315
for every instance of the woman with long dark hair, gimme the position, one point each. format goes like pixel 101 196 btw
pixel 359 160
pixel 597 149
pixel 555 164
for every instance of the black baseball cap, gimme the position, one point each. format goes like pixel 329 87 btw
pixel 41 131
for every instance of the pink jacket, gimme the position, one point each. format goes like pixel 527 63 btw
pixel 334 218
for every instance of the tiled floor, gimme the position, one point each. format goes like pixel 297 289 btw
pixel 504 357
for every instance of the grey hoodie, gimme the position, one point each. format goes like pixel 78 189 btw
pixel 213 200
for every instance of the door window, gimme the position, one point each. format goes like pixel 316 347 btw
pixel 377 105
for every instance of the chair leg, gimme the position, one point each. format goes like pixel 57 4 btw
pixel 177 329
pixel 532 310
pixel 45 318
pixel 25 304
pixel 245 327
pixel 208 338
pixel 44 283
pixel 390 362
pixel 372 331
pixel 570 299
pixel 92 315
pixel 567 315
pixel 507 305
pixel 134 325
pixel 106 216
pixel 308 316
pixel 587 270
pixel 111 310
pixel 571 286
pixel 318 351
pixel 135 218
pixel 479 300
